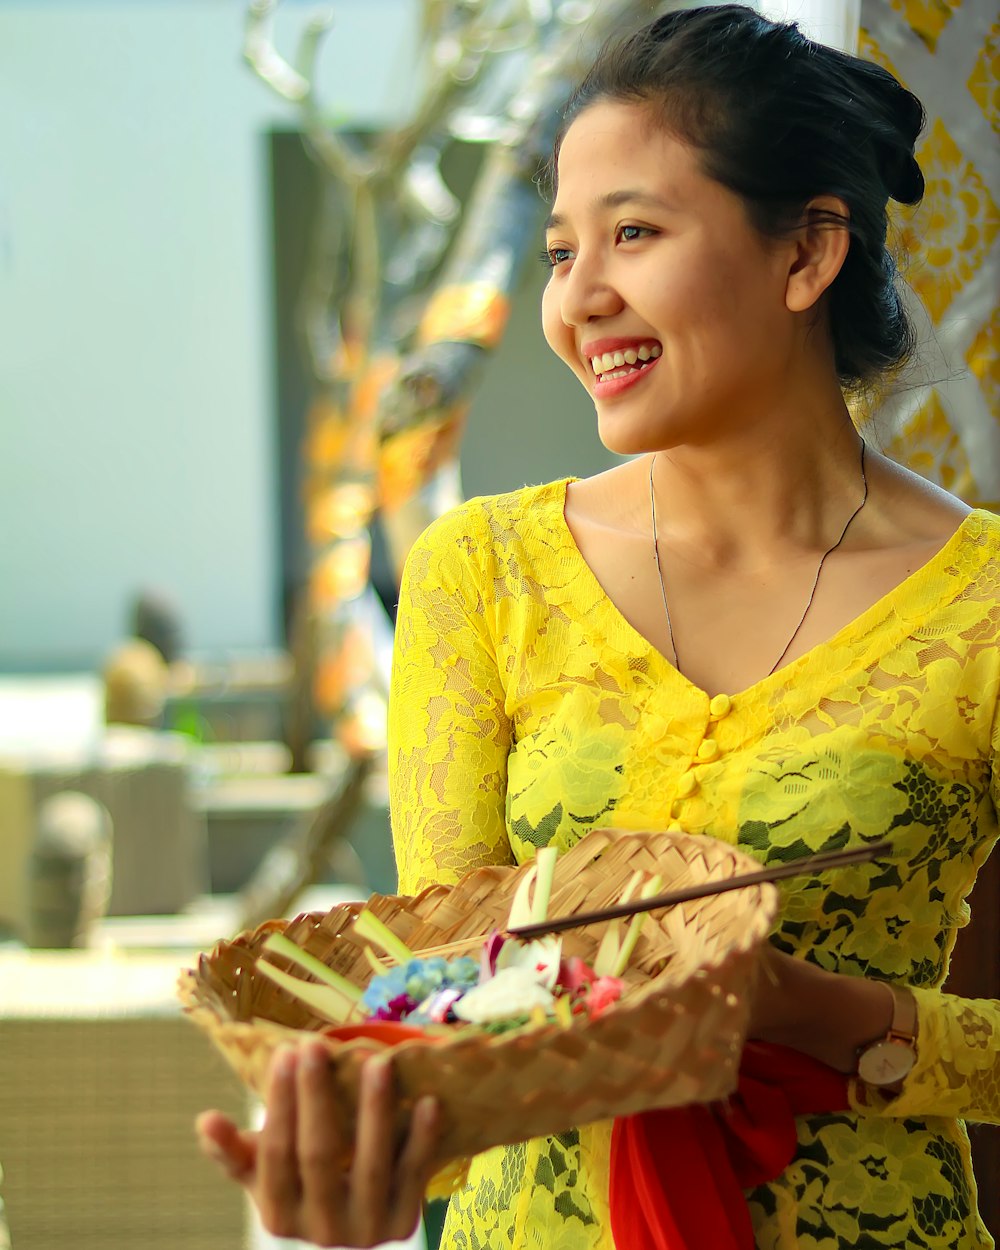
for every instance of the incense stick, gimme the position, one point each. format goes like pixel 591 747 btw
pixel 796 868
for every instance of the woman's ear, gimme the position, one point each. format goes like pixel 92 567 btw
pixel 821 245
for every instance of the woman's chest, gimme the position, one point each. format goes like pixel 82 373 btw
pixel 727 628
pixel 783 775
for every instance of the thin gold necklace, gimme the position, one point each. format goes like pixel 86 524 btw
pixel 812 592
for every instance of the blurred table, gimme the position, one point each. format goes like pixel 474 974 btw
pixel 100 1080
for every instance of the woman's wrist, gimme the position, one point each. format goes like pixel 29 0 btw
pixel 826 1015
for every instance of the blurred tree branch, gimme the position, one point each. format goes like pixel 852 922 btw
pixel 407 295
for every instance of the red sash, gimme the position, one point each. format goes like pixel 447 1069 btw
pixel 678 1175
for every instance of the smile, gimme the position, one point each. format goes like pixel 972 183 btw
pixel 620 364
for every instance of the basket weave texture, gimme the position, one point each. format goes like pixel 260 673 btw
pixel 673 1038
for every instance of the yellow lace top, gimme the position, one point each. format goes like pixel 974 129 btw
pixel 525 710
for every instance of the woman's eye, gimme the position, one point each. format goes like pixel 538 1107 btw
pixel 628 234
pixel 553 256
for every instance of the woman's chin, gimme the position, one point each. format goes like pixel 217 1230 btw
pixel 622 441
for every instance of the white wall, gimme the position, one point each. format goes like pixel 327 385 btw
pixel 136 441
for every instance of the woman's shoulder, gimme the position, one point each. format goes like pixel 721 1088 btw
pixel 977 558
pixel 915 513
pixel 498 522
pixel 983 526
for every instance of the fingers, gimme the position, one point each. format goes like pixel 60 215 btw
pixel 417 1164
pixel 323 1147
pixel 278 1188
pixel 371 1171
pixel 220 1140
pixel 296 1167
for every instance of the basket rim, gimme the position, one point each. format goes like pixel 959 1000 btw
pixel 206 1006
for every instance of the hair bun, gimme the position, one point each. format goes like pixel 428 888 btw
pixel 893 118
pixel 902 177
pixel 908 113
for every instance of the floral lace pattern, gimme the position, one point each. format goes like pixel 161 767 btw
pixel 527 711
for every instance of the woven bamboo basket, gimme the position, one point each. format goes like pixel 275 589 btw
pixel 673 1038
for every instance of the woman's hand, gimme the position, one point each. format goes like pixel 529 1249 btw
pixel 305 1176
pixel 827 1015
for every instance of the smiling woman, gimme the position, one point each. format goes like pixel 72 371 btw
pixel 676 262
pixel 756 629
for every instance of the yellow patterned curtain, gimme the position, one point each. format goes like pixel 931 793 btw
pixel 943 417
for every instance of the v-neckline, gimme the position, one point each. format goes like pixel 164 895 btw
pixel 903 589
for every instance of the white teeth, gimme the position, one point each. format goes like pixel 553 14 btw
pixel 609 361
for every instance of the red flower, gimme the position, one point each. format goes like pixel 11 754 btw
pixel 601 993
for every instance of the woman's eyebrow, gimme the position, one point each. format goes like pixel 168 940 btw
pixel 615 199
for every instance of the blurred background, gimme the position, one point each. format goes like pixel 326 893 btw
pixel 268 305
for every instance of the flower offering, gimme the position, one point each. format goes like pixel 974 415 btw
pixel 507 984
pixel 514 1038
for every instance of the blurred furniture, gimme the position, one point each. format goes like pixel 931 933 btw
pixel 246 816
pixel 243 699
pixel 100 1080
pixel 143 778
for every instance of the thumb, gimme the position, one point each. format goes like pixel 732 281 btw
pixel 233 1149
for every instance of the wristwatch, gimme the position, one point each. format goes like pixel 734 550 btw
pixel 889 1059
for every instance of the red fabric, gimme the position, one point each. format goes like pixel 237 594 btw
pixel 678 1175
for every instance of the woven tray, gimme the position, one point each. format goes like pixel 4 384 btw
pixel 674 1037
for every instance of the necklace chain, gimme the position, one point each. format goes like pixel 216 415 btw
pixel 812 592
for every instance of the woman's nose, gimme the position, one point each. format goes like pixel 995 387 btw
pixel 587 294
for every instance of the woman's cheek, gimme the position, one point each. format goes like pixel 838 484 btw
pixel 557 334
pixel 550 320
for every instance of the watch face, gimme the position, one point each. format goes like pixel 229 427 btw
pixel 886 1062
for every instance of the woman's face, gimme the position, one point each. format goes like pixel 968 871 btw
pixel 664 300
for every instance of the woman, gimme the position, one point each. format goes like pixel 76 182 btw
pixel 756 628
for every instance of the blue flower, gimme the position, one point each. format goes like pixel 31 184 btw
pixel 418 980
pixel 383 988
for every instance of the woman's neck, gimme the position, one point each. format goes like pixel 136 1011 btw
pixel 767 495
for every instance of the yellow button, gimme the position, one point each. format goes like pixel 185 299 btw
pixel 708 750
pixel 720 706
pixel 687 785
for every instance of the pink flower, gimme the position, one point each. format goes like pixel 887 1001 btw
pixel 575 975
pixel 488 958
pixel 396 1008
pixel 601 993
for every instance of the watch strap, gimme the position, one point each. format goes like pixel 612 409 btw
pixel 875 1059
pixel 888 1060
pixel 904 1016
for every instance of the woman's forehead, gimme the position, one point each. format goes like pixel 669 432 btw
pixel 616 152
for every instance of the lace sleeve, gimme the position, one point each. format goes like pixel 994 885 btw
pixel 958 1045
pixel 958 1068
pixel 449 734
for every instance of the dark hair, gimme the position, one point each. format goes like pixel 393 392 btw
pixel 780 119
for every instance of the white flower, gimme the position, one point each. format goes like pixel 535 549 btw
pixel 511 992
pixel 541 958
